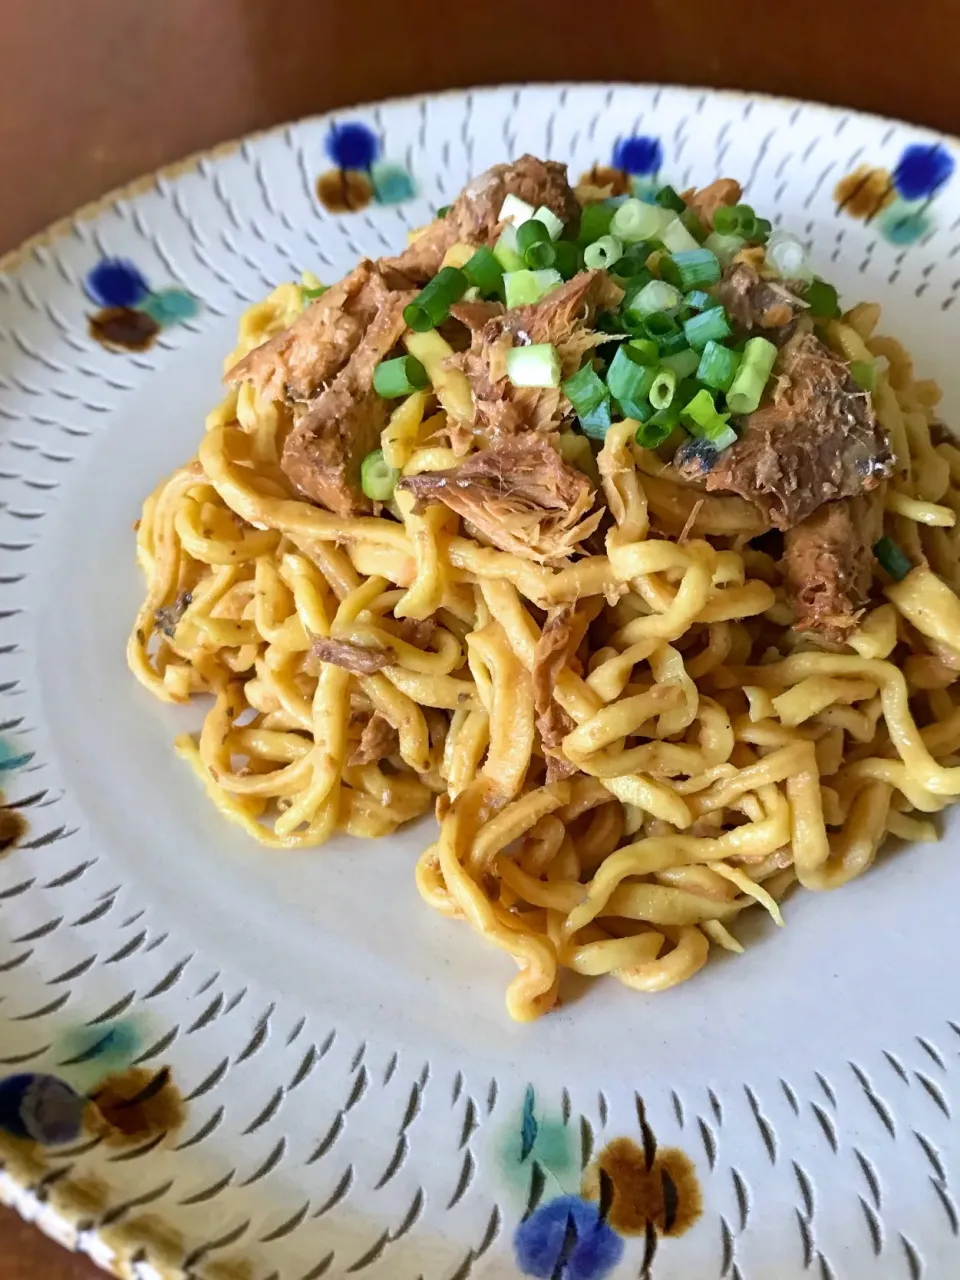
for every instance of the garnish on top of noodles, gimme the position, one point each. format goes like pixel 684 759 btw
pixel 536 324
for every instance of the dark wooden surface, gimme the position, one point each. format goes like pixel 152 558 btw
pixel 94 93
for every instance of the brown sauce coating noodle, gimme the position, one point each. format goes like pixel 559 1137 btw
pixel 717 756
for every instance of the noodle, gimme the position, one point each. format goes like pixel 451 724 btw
pixel 713 755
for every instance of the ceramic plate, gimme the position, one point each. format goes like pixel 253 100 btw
pixel 304 1071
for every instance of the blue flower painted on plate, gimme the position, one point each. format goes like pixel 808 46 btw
pixel 352 145
pixel 12 757
pixel 567 1239
pixel 170 306
pixel 41 1108
pixel 922 170
pixel 640 154
pixel 131 314
pixel 115 282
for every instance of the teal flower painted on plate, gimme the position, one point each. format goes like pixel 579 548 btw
pixel 538 1147
pixel 12 756
pixel 898 203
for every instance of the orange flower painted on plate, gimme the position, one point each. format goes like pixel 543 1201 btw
pixel 344 190
pixel 865 192
pixel 662 1190
pixel 612 182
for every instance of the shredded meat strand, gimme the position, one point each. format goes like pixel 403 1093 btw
pixel 519 496
pixel 362 660
pixel 378 740
pixel 828 564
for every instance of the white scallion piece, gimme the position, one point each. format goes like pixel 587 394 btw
pixel 634 221
pixel 657 295
pixel 515 210
pixel 550 220
pixel 534 366
pixel 505 250
pixel 786 253
pixel 677 238
pixel 547 279
pixel 725 247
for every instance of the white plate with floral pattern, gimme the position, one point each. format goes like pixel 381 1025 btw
pixel 304 1072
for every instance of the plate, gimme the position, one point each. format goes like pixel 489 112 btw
pixel 302 1071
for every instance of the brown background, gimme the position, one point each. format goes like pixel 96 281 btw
pixel 95 92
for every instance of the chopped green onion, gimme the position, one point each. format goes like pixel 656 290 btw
pixel 690 267
pixel 443 211
pixel 693 224
pixel 717 366
pixel 595 222
pixel 585 390
pixel 737 219
pixel 550 220
pixel 663 388
pixel 667 198
pixel 547 279
pixel 521 288
pixel 892 559
pixel 506 252
pixel 529 233
pixel 629 376
pixel 675 237
pixel 652 434
pixel 432 304
pixel 535 366
pixel 822 299
pixel 567 260
pixel 864 373
pixel 515 210
pixel 311 295
pixel 399 377
pixel 484 272
pixel 540 255
pixel 748 384
pixel 785 252
pixel 683 363
pixel 644 350
pixel 639 410
pixel 654 296
pixel 665 331
pixel 699 300
pixel 671 343
pixel 603 253
pixel 596 423
pixel 701 418
pixel 633 265
pixel 726 247
pixel 377 480
pixel 707 325
pixel 635 221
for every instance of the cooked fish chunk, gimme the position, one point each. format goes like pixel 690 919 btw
pixel 518 495
pixel 474 216
pixel 828 564
pixel 817 440
pixel 323 452
pixel 562 317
